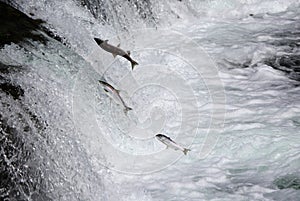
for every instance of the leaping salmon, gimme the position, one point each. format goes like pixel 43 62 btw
pixel 115 51
pixel 170 143
pixel 115 95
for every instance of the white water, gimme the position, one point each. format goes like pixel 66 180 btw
pixel 176 90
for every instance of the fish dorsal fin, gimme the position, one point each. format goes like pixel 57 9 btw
pixel 128 52
pixel 119 45
pixel 114 55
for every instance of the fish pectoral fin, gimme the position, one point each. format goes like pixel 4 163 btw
pixel 114 55
pixel 106 41
pixel 128 52
pixel 120 91
pixel 119 45
pixel 106 90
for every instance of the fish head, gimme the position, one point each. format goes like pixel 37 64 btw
pixel 102 82
pixel 161 137
pixel 106 87
pixel 99 41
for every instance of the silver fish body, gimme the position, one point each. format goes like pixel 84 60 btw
pixel 115 51
pixel 115 95
pixel 170 143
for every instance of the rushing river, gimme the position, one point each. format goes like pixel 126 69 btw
pixel 219 77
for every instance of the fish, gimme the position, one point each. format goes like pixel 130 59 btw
pixel 115 51
pixel 115 95
pixel 170 143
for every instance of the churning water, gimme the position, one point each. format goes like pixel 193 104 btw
pixel 219 77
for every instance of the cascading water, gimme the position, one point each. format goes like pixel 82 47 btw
pixel 220 77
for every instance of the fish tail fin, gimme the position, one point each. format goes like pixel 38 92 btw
pixel 133 64
pixel 127 109
pixel 185 151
